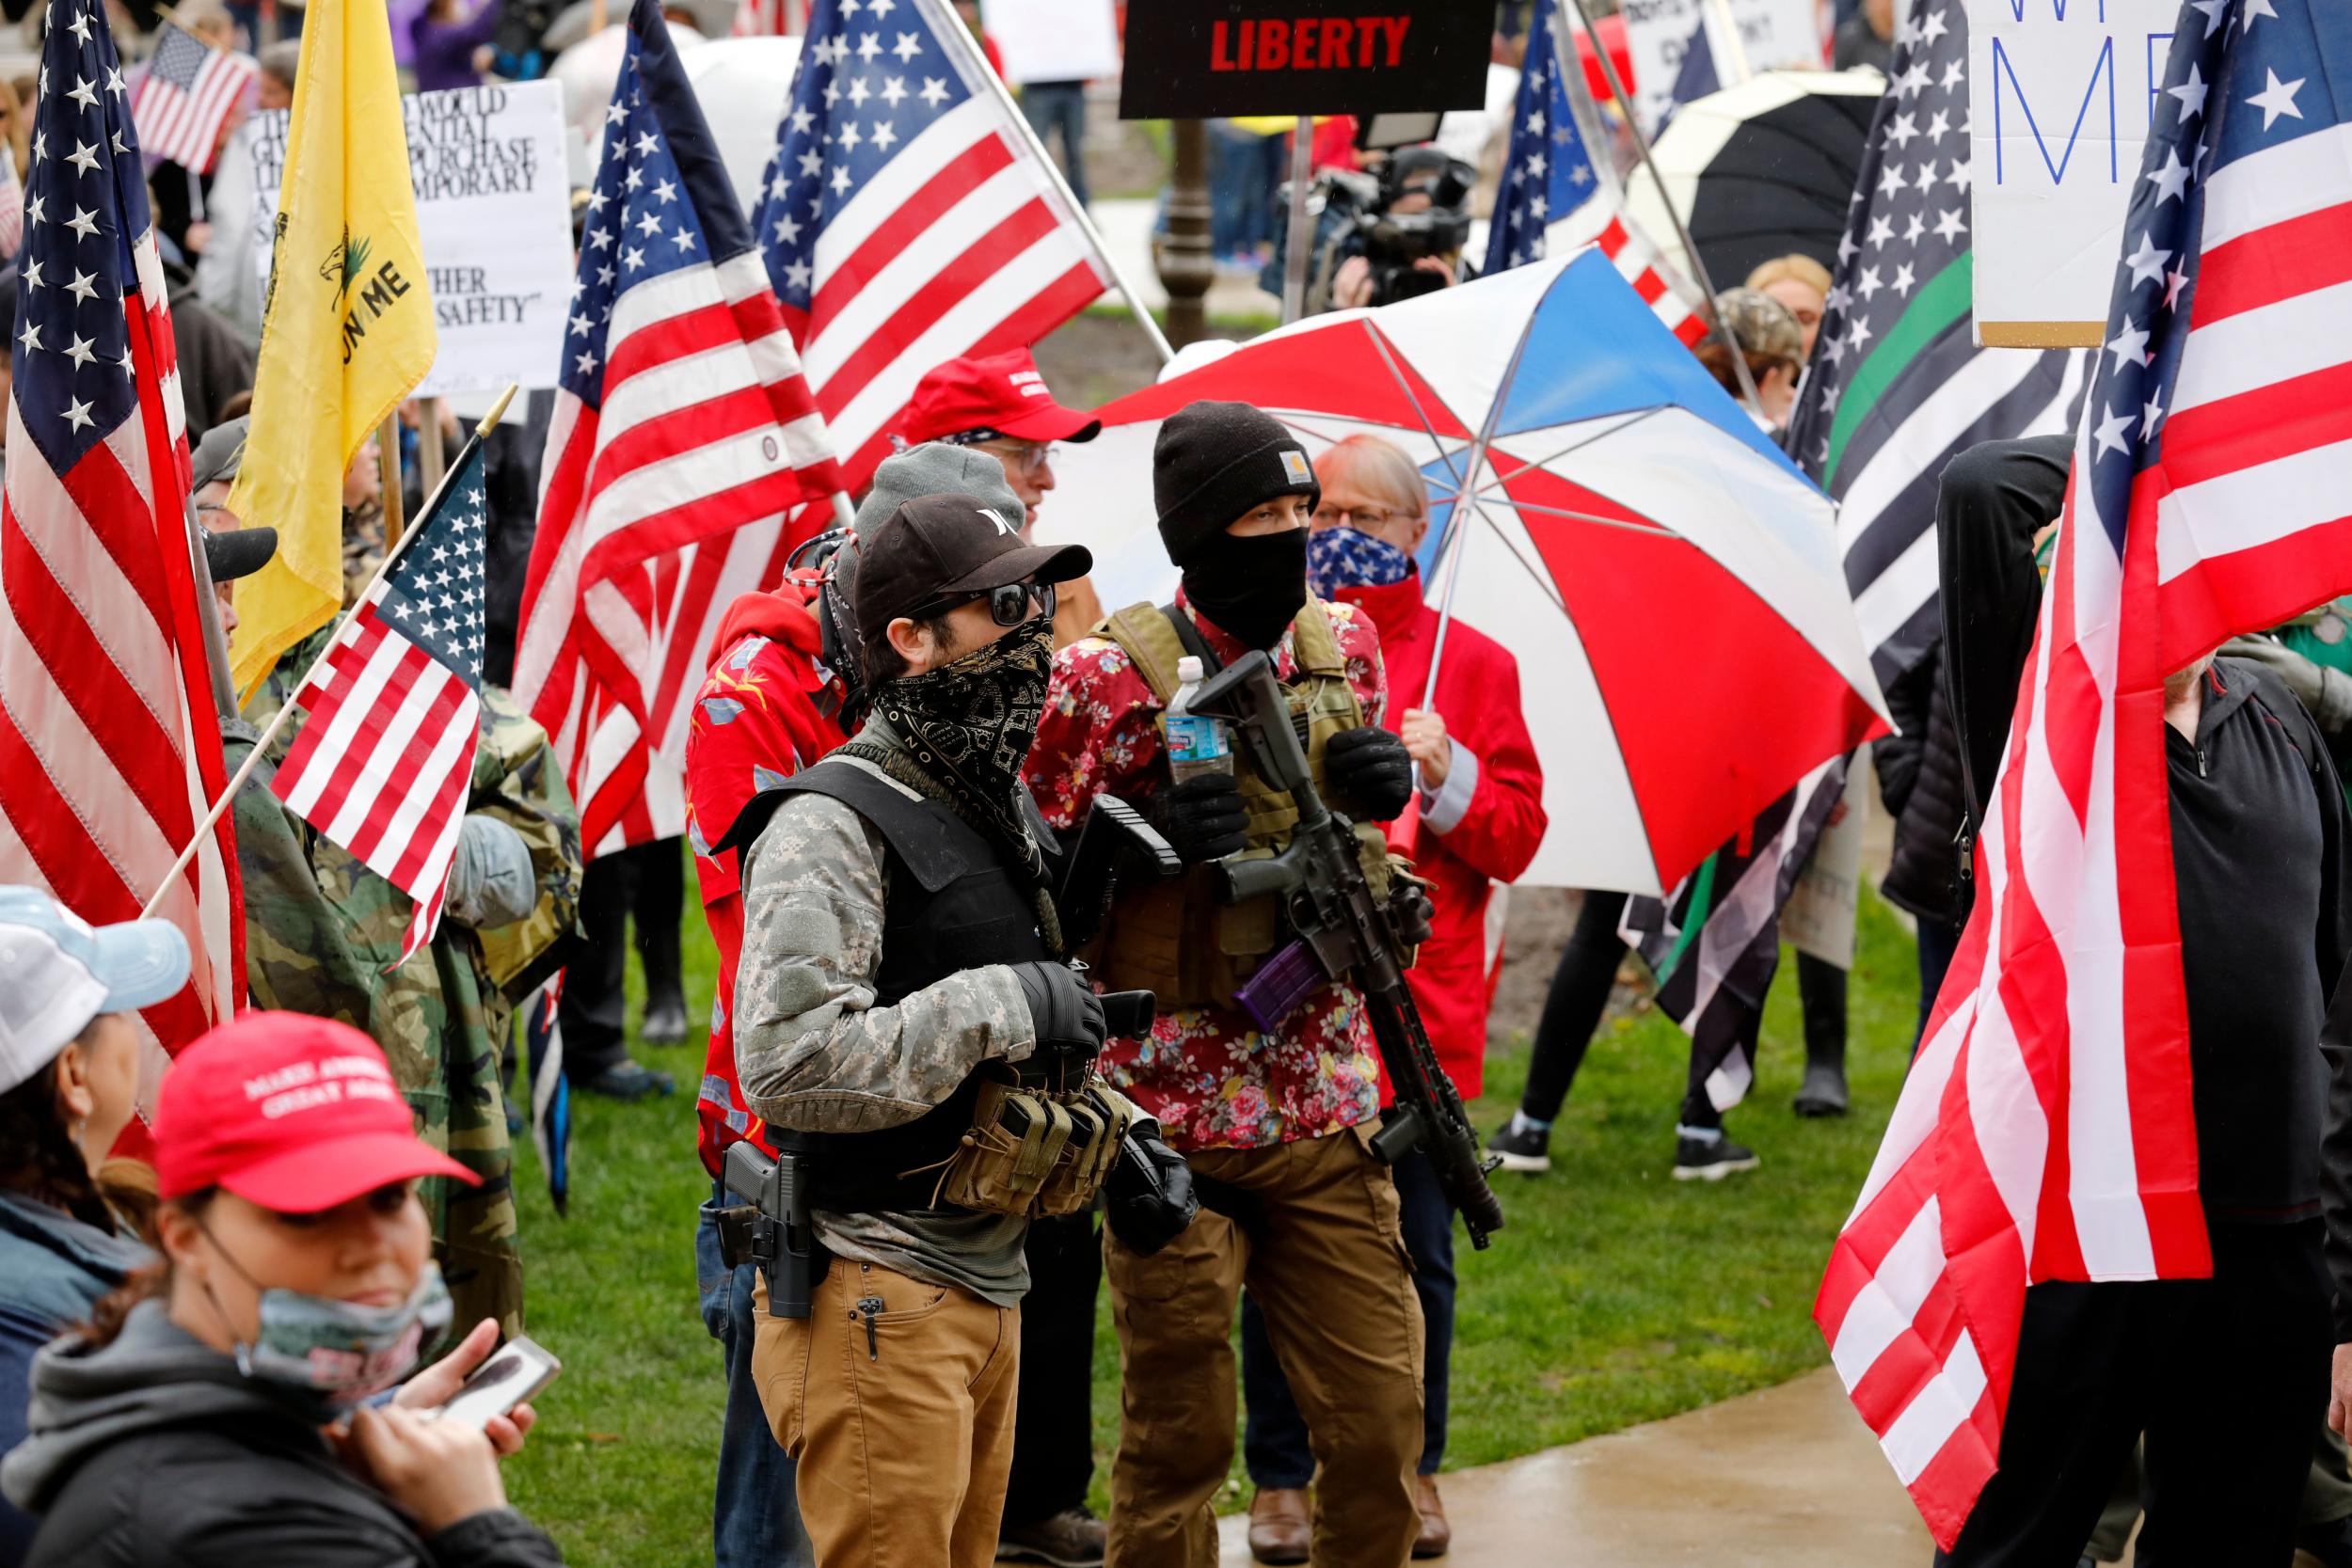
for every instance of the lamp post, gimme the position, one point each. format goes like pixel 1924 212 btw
pixel 1186 266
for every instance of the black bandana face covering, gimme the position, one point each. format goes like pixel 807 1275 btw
pixel 971 721
pixel 1252 586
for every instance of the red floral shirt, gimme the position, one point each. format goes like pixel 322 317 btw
pixel 1212 1078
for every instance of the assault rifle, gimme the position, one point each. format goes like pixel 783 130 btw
pixel 1344 934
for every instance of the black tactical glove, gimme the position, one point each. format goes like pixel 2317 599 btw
pixel 1371 770
pixel 1202 820
pixel 1149 1193
pixel 1068 1017
pixel 1411 912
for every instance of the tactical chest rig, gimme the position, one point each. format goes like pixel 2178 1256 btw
pixel 996 1143
pixel 1175 939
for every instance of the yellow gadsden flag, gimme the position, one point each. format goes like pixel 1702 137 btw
pixel 347 331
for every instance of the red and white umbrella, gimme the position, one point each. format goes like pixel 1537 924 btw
pixel 1668 580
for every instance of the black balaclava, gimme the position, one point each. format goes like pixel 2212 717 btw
pixel 1252 586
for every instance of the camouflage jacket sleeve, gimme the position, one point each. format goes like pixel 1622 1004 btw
pixel 812 1048
pixel 517 780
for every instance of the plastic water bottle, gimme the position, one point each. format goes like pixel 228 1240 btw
pixel 1197 743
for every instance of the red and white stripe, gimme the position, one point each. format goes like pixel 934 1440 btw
pixel 962 245
pixel 11 207
pixel 384 764
pixel 1676 300
pixel 771 18
pixel 109 741
pixel 655 514
pixel 2046 1130
pixel 184 125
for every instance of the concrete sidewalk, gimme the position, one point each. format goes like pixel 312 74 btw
pixel 1788 1478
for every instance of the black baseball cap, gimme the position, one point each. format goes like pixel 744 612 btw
pixel 944 547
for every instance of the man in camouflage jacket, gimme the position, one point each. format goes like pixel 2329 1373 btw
pixel 321 928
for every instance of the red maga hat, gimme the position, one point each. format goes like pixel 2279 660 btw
pixel 1002 392
pixel 294 1112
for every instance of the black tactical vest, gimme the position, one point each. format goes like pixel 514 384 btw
pixel 952 903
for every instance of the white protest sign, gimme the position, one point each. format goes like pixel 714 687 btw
pixel 1053 41
pixel 494 212
pixel 1775 34
pixel 2060 96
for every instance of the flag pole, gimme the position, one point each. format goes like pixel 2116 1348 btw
pixel 1666 197
pixel 277 723
pixel 977 63
pixel 207 615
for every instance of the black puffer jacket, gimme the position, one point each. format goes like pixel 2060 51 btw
pixel 1919 782
pixel 156 1450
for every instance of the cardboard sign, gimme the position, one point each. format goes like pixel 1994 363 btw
pixel 493 214
pixel 1201 58
pixel 1775 34
pixel 1053 41
pixel 2060 97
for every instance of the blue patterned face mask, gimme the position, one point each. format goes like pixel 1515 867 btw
pixel 1341 558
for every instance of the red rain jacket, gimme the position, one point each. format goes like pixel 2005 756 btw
pixel 755 722
pixel 1481 828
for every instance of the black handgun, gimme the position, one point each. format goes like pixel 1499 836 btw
pixel 1344 934
pixel 783 1243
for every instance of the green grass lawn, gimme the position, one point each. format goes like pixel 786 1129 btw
pixel 1614 1296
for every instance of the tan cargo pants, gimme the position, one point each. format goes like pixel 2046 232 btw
pixel 1323 1255
pixel 903 1438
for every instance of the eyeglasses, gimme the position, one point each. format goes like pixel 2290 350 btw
pixel 1030 457
pixel 1008 606
pixel 1363 519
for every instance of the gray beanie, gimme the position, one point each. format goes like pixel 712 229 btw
pixel 934 468
pixel 937 469
pixel 219 455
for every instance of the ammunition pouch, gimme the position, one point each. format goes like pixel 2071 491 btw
pixel 1178 939
pixel 1037 1153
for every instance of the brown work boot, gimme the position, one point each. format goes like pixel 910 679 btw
pixel 1281 1521
pixel 1435 1536
pixel 1072 1539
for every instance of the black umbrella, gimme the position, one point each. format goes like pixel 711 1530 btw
pixel 1762 169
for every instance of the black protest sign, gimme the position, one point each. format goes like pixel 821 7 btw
pixel 1193 60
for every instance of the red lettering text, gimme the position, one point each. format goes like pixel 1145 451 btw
pixel 1337 33
pixel 1274 45
pixel 1395 26
pixel 1218 59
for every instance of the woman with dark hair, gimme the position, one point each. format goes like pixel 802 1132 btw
pixel 68 1074
pixel 240 1400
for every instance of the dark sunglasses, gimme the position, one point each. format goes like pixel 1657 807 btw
pixel 1008 606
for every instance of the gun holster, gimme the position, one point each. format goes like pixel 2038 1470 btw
pixel 773 1230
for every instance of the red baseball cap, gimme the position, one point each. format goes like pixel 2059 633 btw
pixel 1002 392
pixel 294 1112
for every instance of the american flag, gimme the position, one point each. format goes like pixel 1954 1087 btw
pixel 683 439
pixel 1554 195
pixel 385 760
pixel 2046 1130
pixel 185 95
pixel 109 739
pixel 906 221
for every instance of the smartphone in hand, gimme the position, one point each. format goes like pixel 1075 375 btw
pixel 516 1371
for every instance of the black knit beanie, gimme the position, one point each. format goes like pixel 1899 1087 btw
pixel 1215 461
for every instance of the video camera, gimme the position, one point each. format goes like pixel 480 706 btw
pixel 1416 206
pixel 1423 212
